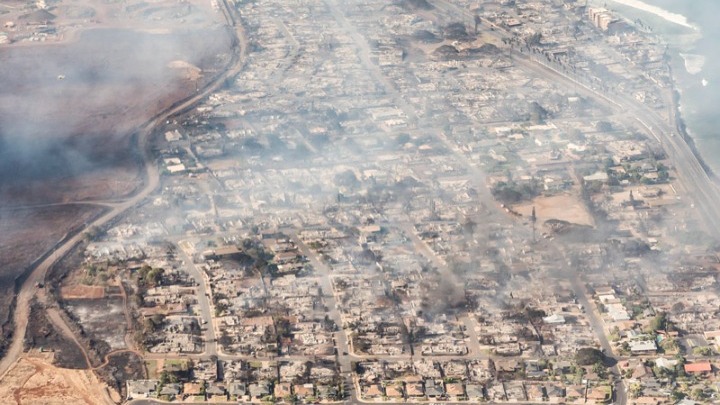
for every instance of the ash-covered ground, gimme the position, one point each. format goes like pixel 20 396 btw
pixel 74 89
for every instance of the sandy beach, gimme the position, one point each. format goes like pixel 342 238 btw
pixel 674 18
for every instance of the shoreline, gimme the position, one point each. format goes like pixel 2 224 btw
pixel 681 128
pixel 666 15
pixel 677 118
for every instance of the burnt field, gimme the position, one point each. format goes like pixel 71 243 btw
pixel 24 235
pixel 101 320
pixel 42 334
pixel 68 112
pixel 121 367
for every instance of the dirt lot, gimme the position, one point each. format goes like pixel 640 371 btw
pixel 102 320
pixel 564 207
pixel 34 380
pixel 81 292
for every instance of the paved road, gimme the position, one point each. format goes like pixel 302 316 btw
pixel 525 62
pixel 55 317
pixel 341 343
pixel 152 179
pixel 598 327
pixel 203 296
pixel 695 181
pixel 28 289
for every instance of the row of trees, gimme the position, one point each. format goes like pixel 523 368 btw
pixel 512 192
pixel 149 277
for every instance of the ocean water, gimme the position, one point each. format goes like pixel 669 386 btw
pixel 692 30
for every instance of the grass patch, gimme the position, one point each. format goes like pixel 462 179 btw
pixel 151 369
pixel 176 364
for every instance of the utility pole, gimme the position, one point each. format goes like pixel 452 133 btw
pixel 533 219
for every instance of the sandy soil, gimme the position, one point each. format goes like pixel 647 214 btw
pixel 33 380
pixel 563 207
pixel 81 292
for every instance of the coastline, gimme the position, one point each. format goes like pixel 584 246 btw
pixel 682 130
pixel 681 37
pixel 666 15
pixel 679 119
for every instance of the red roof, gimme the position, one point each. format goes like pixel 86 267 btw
pixel 702 367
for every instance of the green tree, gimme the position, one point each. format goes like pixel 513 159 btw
pixel 154 276
pixel 625 347
pixel 677 395
pixel 702 351
pixel 670 345
pixel 588 356
pixel 600 369
pixel 167 377
pixel 220 307
pixel 698 394
pixel 659 322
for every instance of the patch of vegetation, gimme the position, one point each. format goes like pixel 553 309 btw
pixel 149 277
pixel 456 31
pixel 512 193
pixel 588 356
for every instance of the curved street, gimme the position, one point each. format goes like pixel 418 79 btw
pixel 696 184
pixel 152 179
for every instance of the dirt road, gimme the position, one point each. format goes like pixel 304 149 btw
pixel 152 179
pixel 34 380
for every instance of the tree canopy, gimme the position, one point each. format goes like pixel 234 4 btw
pixel 588 356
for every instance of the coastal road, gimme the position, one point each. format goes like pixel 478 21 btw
pixel 152 179
pixel 695 181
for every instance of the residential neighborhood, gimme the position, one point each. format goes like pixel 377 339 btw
pixel 417 201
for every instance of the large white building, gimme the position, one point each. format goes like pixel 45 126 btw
pixel 600 18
